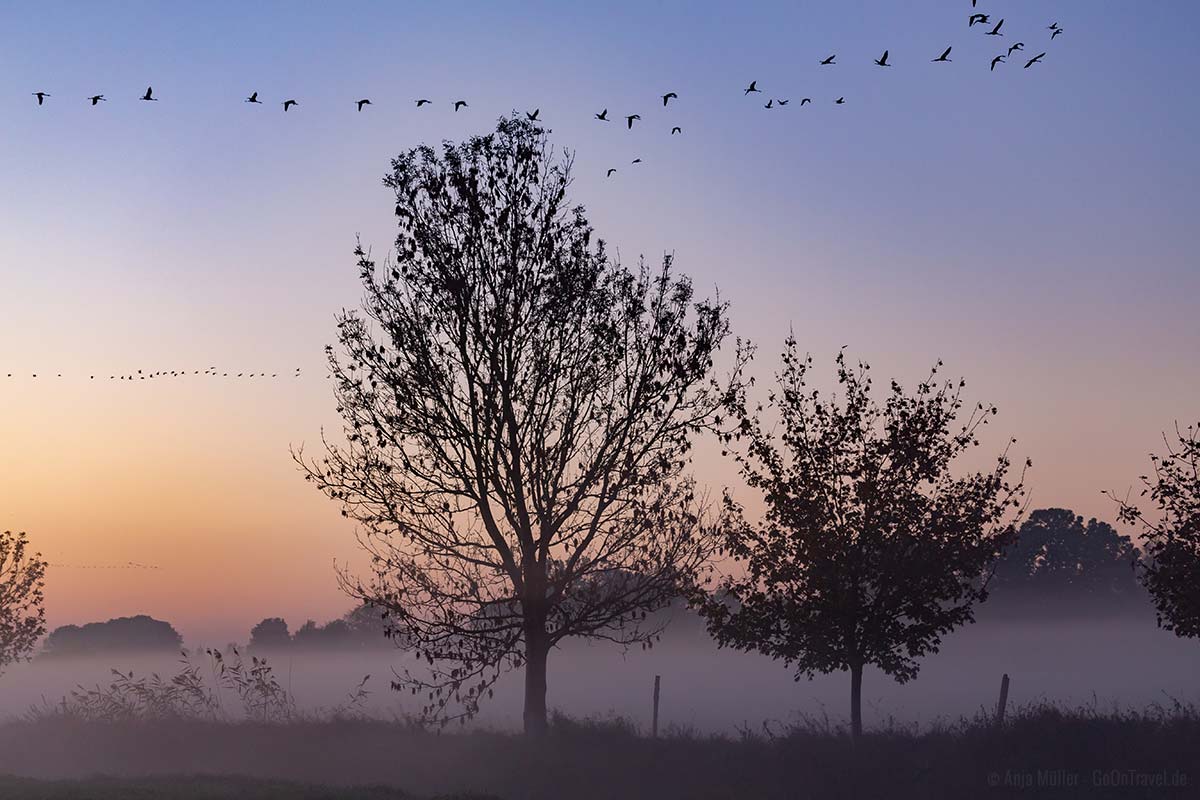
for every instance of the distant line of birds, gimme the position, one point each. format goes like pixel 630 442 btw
pixel 883 61
pixel 126 565
pixel 212 372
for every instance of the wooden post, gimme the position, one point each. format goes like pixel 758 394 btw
pixel 654 724
pixel 1003 700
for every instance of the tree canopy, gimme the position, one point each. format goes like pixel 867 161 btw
pixel 22 582
pixel 135 634
pixel 518 410
pixel 871 547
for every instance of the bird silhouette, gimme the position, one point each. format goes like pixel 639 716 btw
pixel 1052 27
pixel 945 56
pixel 983 18
pixel 676 130
pixel 96 98
pixel 253 98
pixel 669 96
pixel 603 115
pixel 629 120
pixel 423 103
pixel 782 102
pixel 460 104
pixel 636 161
pixel 149 95
pixel 826 62
pixel 882 60
pixel 1054 33
pixel 753 87
pixel 361 103
pixel 534 116
pixel 1035 60
pixel 41 96
pixel 611 170
pixel 804 100
pixel 841 101
pixel 768 105
pixel 1017 46
pixel 287 104
pixel 1000 59
pixel 996 30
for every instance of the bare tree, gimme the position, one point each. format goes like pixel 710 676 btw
pixel 22 580
pixel 870 550
pixel 1171 534
pixel 518 414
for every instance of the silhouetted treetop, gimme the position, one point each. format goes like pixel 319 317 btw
pixel 518 413
pixel 135 634
pixel 22 582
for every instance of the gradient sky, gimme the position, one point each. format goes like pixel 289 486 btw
pixel 1036 229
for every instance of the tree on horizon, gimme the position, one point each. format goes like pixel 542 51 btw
pixel 137 634
pixel 22 596
pixel 1171 532
pixel 870 549
pixel 518 412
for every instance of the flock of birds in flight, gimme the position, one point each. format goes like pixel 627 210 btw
pixel 974 19
pixel 772 103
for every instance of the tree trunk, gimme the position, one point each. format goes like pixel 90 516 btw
pixel 856 672
pixel 536 651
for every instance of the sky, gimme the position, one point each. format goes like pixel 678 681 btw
pixel 1034 228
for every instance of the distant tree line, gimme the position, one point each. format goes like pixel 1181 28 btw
pixel 138 634
pixel 360 629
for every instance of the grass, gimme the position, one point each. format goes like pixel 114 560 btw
pixel 586 759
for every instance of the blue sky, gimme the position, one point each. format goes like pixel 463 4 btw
pixel 1034 228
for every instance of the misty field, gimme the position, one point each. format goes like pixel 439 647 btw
pixel 1041 751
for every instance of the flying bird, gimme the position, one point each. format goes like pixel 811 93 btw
pixel 149 95
pixel 534 116
pixel 1000 59
pixel 1052 27
pixel 669 96
pixel 768 105
pixel 611 170
pixel 41 96
pixel 983 18
pixel 676 130
pixel 636 161
pixel 782 102
pixel 1055 32
pixel 841 101
pixel 361 103
pixel 826 62
pixel 287 104
pixel 423 103
pixel 946 55
pixel 753 87
pixel 603 115
pixel 1017 46
pixel 253 98
pixel 996 30
pixel 460 104
pixel 882 60
pixel 1036 59
pixel 96 98
pixel 629 120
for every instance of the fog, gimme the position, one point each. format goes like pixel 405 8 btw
pixel 1125 662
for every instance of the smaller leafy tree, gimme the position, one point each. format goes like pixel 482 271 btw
pixel 1170 533
pixel 870 549
pixel 270 634
pixel 22 581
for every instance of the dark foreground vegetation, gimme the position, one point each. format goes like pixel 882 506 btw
pixel 1042 751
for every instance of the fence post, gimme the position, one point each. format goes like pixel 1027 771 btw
pixel 1003 700
pixel 654 724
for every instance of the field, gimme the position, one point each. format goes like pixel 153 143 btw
pixel 1043 751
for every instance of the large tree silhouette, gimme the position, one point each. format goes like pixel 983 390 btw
pixel 1171 531
pixel 870 549
pixel 518 413
pixel 22 579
